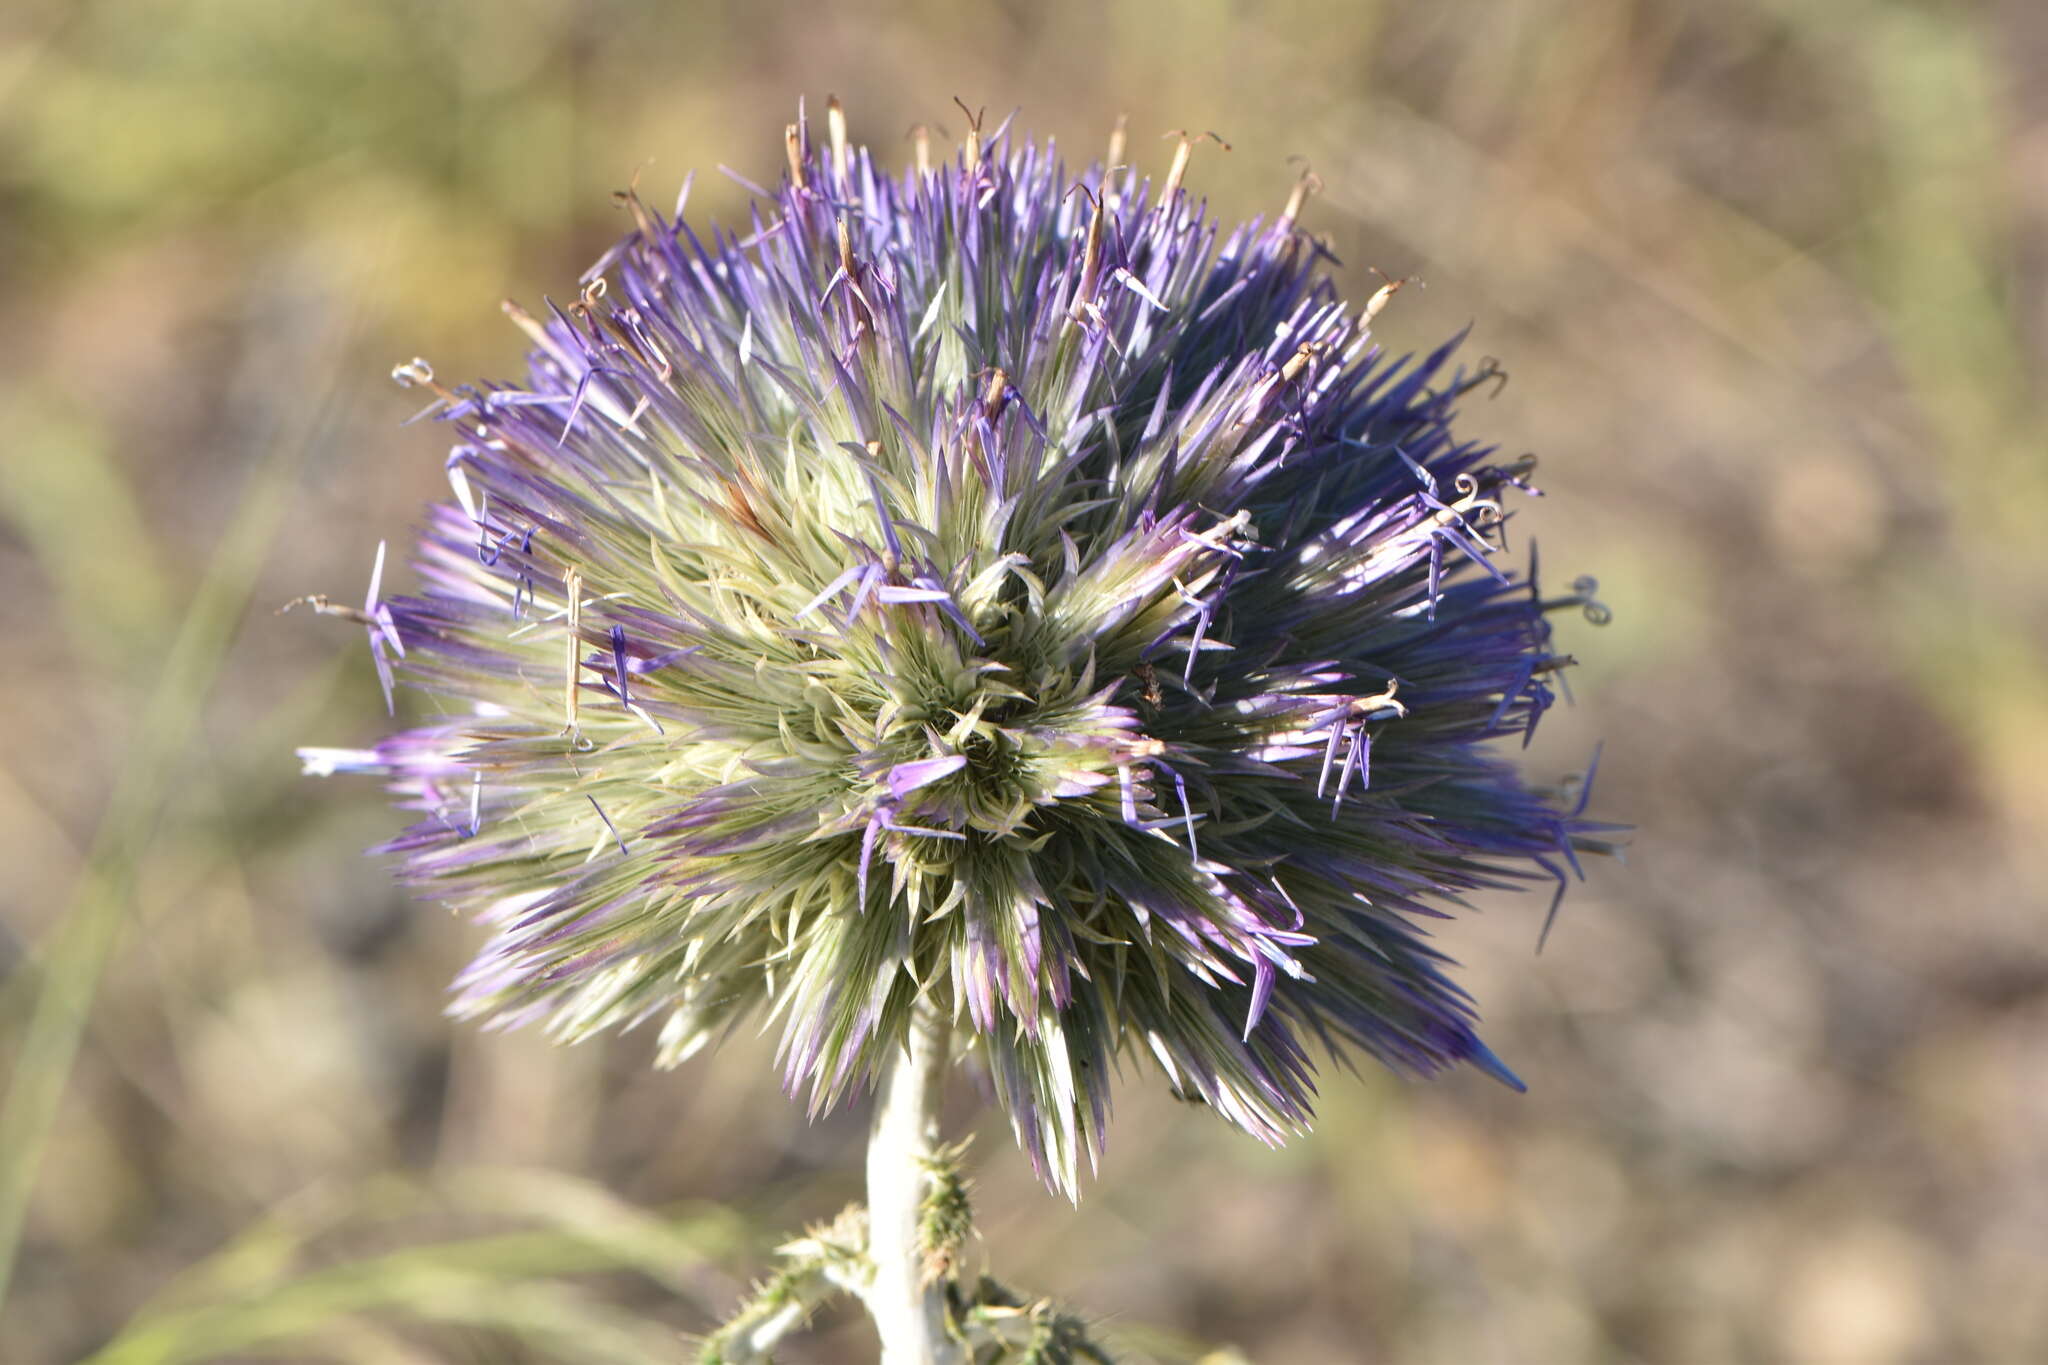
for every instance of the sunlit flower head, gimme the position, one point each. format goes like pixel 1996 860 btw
pixel 989 586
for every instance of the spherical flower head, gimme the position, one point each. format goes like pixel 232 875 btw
pixel 985 590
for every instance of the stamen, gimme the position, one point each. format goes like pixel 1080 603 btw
pixel 1514 474
pixel 1309 183
pixel 835 125
pixel 1583 588
pixel 1358 755
pixel 418 371
pixel 1381 701
pixel 793 146
pixel 538 334
pixel 1263 392
pixel 572 590
pixel 629 198
pixel 1386 291
pixel 323 605
pixel 1296 363
pixel 973 134
pixel 1114 162
pixel 1490 371
pixel 1471 507
pixel 1091 260
pixel 1181 156
pixel 993 396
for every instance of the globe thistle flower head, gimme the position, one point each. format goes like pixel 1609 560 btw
pixel 987 589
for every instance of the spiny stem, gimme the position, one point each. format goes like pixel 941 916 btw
pixel 909 1313
pixel 824 1261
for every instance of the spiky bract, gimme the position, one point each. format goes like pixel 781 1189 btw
pixel 985 586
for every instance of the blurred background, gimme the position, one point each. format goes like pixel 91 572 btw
pixel 1770 279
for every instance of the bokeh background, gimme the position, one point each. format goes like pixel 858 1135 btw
pixel 1770 279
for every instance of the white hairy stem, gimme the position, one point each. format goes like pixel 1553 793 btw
pixel 909 1314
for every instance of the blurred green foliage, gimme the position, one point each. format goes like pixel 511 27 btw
pixel 1771 282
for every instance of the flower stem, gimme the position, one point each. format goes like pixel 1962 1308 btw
pixel 909 1313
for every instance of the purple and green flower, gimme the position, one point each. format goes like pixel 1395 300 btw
pixel 991 592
